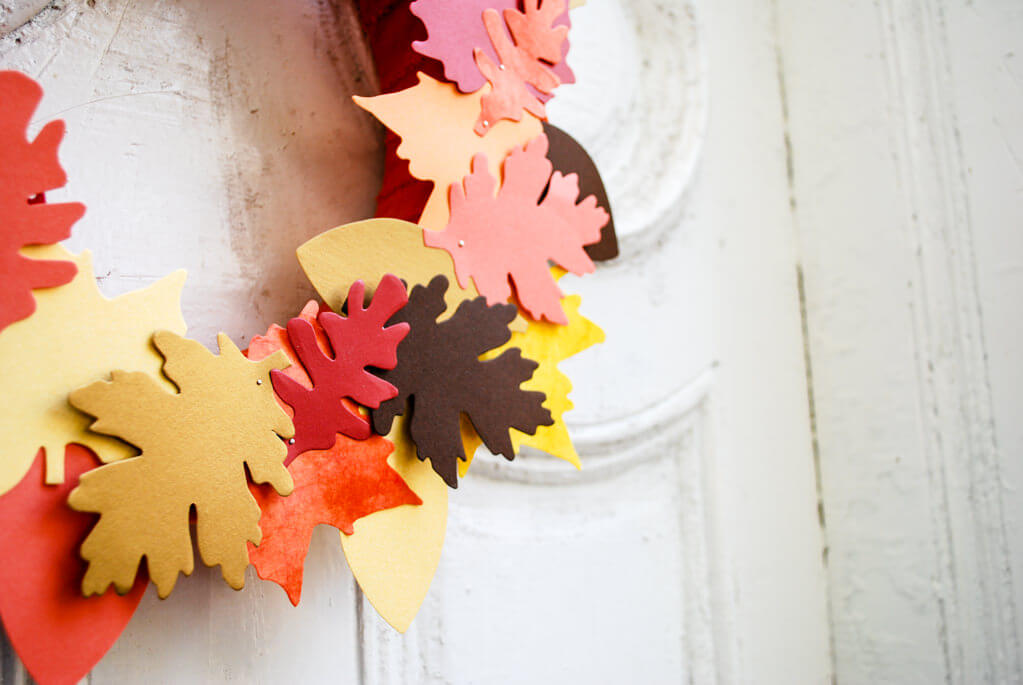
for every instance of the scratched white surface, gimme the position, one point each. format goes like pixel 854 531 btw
pixel 873 148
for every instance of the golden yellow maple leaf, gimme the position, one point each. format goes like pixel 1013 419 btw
pixel 196 445
pixel 74 337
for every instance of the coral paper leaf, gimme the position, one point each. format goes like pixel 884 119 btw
pixel 521 63
pixel 359 340
pixel 509 237
pixel 27 170
pixel 196 445
pixel 439 374
pixel 58 634
pixel 76 336
pixel 336 486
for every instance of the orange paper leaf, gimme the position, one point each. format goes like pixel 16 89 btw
pixel 337 487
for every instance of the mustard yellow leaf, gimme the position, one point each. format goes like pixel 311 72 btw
pixel 75 336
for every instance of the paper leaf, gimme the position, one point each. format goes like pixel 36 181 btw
pixel 337 487
pixel 196 445
pixel 509 237
pixel 455 28
pixel 58 634
pixel 27 170
pixel 75 337
pixel 358 340
pixel 519 64
pixel 440 373
pixel 569 157
pixel 394 554
pixel 435 123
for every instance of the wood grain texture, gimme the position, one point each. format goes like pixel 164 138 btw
pixel 902 306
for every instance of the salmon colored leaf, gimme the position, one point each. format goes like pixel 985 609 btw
pixel 522 73
pixel 358 340
pixel 440 376
pixel 456 28
pixel 196 447
pixel 337 487
pixel 76 336
pixel 58 634
pixel 27 170
pixel 508 238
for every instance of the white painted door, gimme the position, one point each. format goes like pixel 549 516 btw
pixel 797 186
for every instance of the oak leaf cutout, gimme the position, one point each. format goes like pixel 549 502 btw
pixel 454 30
pixel 525 59
pixel 76 336
pixel 336 486
pixel 440 376
pixel 196 445
pixel 508 238
pixel 359 340
pixel 27 170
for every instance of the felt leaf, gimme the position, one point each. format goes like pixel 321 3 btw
pixel 394 553
pixel 548 344
pixel 58 634
pixel 196 445
pixel 435 123
pixel 509 237
pixel 456 28
pixel 569 157
pixel 336 487
pixel 75 337
pixel 440 374
pixel 358 340
pixel 27 170
pixel 520 64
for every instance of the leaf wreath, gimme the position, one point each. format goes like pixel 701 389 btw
pixel 359 340
pixel 196 446
pixel 440 376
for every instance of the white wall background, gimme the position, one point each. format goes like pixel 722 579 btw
pixel 801 439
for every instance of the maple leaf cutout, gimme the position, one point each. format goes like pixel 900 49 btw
pixel 358 340
pixel 509 237
pixel 76 336
pixel 27 170
pixel 195 447
pixel 523 62
pixel 337 486
pixel 440 376
pixel 455 29
pixel 549 344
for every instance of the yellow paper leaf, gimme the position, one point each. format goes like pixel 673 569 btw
pixel 394 553
pixel 548 344
pixel 196 446
pixel 435 123
pixel 76 336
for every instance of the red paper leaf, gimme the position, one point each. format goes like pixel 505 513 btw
pixel 456 28
pixel 358 340
pixel 521 64
pixel 27 170
pixel 58 634
pixel 337 487
pixel 509 238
